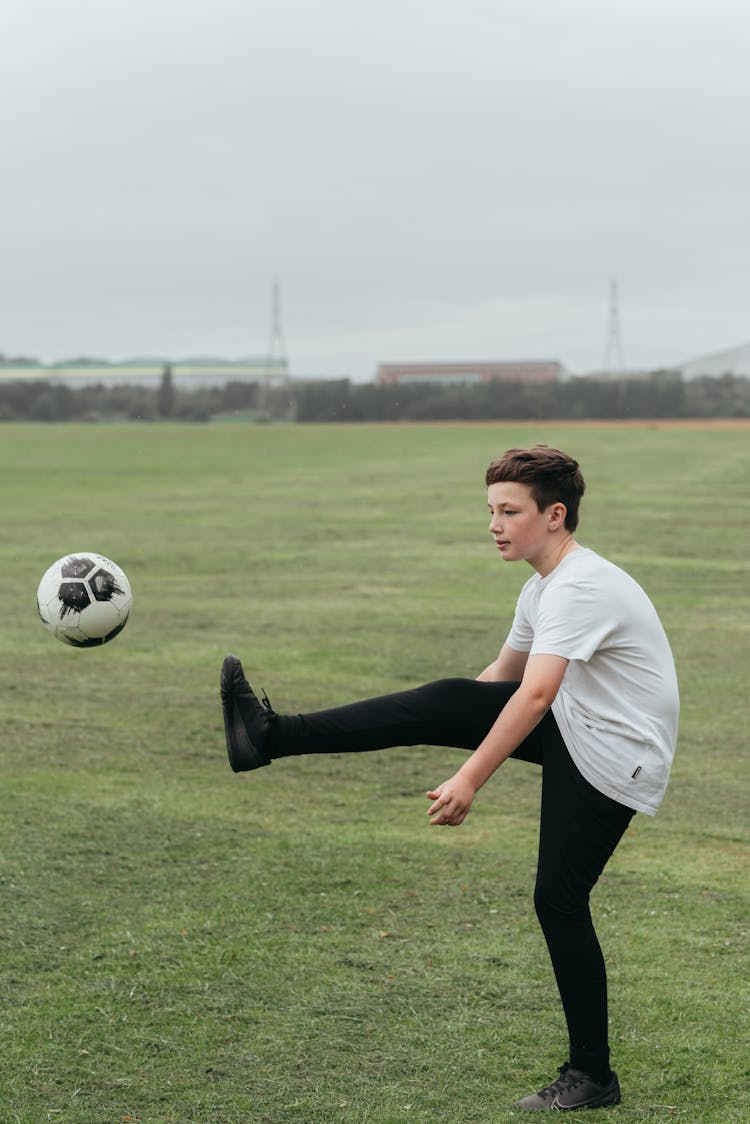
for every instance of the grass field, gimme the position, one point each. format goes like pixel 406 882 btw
pixel 178 944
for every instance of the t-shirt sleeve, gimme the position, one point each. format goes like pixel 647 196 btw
pixel 571 622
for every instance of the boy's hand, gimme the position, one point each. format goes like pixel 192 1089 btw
pixel 451 801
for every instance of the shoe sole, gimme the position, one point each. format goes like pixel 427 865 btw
pixel 541 1106
pixel 243 754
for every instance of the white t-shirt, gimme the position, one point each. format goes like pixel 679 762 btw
pixel 618 704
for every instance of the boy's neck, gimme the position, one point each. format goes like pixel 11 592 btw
pixel 554 556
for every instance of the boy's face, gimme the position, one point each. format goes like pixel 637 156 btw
pixel 521 531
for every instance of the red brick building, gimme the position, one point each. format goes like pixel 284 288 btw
pixel 522 370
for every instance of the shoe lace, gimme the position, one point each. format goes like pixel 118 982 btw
pixel 568 1079
pixel 266 701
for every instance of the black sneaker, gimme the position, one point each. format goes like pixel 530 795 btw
pixel 246 719
pixel 572 1090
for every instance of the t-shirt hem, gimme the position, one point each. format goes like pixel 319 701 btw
pixel 636 805
pixel 612 792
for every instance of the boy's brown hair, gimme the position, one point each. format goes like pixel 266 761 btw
pixel 552 476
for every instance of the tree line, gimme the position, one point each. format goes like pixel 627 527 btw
pixel 663 394
pixel 45 400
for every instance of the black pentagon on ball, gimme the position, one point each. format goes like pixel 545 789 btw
pixel 103 585
pixel 74 597
pixel 76 567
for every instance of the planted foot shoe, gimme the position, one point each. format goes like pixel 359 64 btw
pixel 572 1090
pixel 246 719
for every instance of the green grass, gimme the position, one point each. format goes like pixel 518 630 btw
pixel 178 944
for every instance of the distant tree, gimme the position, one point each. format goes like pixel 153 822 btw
pixel 165 399
pixel 18 361
pixel 323 400
pixel 85 361
pixel 725 397
pixel 236 395
pixel 51 403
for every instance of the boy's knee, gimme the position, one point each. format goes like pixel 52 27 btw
pixel 555 903
pixel 451 694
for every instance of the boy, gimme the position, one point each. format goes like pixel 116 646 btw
pixel 584 685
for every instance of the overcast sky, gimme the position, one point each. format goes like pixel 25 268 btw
pixel 440 179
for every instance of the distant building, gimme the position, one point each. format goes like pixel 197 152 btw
pixel 522 370
pixel 187 374
pixel 733 361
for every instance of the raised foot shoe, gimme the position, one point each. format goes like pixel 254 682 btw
pixel 246 719
pixel 572 1090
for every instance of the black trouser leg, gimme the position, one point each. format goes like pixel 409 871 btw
pixel 579 829
pixel 453 712
pixel 450 712
pixel 579 826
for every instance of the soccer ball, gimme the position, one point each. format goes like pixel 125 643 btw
pixel 84 599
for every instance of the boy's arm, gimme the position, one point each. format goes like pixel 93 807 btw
pixel 507 668
pixel 523 711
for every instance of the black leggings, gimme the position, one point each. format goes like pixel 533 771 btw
pixel 579 826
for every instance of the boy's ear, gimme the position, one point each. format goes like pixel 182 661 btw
pixel 556 513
